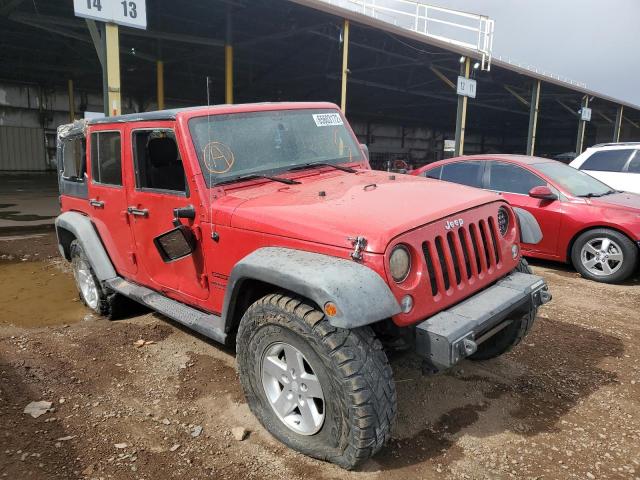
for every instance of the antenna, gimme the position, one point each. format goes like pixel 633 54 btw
pixel 214 234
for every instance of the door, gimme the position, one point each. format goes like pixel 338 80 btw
pixel 159 185
pixel 608 166
pixel 107 197
pixel 513 183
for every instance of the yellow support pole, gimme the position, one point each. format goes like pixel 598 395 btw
pixel 160 82
pixel 72 102
pixel 461 117
pixel 345 66
pixel 113 69
pixel 228 70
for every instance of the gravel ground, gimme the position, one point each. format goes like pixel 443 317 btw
pixel 565 404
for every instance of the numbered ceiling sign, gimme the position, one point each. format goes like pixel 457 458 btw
pixel 130 13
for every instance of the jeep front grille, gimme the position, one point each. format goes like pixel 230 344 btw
pixel 461 256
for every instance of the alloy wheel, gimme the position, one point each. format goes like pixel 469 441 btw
pixel 293 389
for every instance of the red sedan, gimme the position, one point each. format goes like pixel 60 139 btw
pixel 583 221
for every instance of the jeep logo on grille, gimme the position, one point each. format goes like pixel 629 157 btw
pixel 449 224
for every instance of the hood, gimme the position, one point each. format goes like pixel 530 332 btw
pixel 330 207
pixel 623 200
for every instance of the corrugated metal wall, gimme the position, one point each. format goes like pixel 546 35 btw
pixel 22 148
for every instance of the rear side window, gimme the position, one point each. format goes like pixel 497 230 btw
pixel 505 177
pixel 634 164
pixel 74 158
pixel 433 173
pixel 607 161
pixel 106 158
pixel 466 173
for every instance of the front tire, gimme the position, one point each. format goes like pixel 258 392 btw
pixel 604 255
pixel 511 335
pixel 323 391
pixel 90 290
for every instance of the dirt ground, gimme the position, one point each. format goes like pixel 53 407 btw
pixel 565 404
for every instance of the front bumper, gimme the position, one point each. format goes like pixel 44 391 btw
pixel 451 335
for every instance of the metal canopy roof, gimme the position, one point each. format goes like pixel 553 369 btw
pixel 326 6
pixel 285 50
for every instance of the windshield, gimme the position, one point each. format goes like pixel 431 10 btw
pixel 575 182
pixel 240 144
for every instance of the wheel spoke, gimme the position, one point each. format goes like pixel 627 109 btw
pixel 616 257
pixel 606 243
pixel 606 268
pixel 274 367
pixel 283 405
pixel 310 417
pixel 294 360
pixel 313 388
pixel 590 249
pixel 591 263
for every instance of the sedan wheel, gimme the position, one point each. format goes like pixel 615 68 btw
pixel 602 256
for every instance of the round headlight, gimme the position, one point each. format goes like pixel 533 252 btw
pixel 400 263
pixel 503 221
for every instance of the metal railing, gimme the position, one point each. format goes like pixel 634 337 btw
pixel 462 29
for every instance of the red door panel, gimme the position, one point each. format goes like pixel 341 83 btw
pixel 151 214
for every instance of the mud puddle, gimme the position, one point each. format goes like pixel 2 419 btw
pixel 38 294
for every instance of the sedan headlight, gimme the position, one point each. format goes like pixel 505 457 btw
pixel 400 263
pixel 503 221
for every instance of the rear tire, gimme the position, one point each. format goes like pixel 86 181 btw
pixel 511 335
pixel 90 290
pixel 590 247
pixel 354 395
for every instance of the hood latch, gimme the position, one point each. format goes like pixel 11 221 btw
pixel 359 243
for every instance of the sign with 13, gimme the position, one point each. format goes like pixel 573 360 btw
pixel 130 13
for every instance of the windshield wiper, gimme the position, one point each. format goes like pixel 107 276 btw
pixel 286 181
pixel 322 164
pixel 592 195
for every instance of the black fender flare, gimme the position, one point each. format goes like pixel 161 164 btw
pixel 361 295
pixel 530 231
pixel 81 227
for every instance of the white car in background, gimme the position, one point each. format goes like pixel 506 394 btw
pixel 616 164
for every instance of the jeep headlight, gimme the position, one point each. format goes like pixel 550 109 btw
pixel 503 221
pixel 400 263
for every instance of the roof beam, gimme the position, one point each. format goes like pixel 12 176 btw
pixel 130 32
pixel 519 97
pixel 567 108
pixel 443 77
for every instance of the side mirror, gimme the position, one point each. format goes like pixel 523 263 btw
pixel 543 193
pixel 175 244
pixel 365 150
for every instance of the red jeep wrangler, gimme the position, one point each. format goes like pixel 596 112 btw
pixel 264 225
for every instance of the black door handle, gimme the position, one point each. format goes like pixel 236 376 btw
pixel 96 203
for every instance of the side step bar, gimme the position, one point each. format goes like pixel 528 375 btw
pixel 207 324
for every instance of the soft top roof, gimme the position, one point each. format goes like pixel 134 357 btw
pixel 213 110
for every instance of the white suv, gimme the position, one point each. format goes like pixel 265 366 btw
pixel 616 164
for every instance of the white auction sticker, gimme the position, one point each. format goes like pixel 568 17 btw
pixel 327 119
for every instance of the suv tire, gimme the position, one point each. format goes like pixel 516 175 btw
pixel 588 248
pixel 354 395
pixel 511 335
pixel 90 290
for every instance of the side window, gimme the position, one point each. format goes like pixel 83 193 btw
pixel 607 161
pixel 466 173
pixel 505 177
pixel 74 158
pixel 433 173
pixel 157 161
pixel 634 164
pixel 106 158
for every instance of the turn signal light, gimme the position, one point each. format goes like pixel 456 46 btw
pixel 330 309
